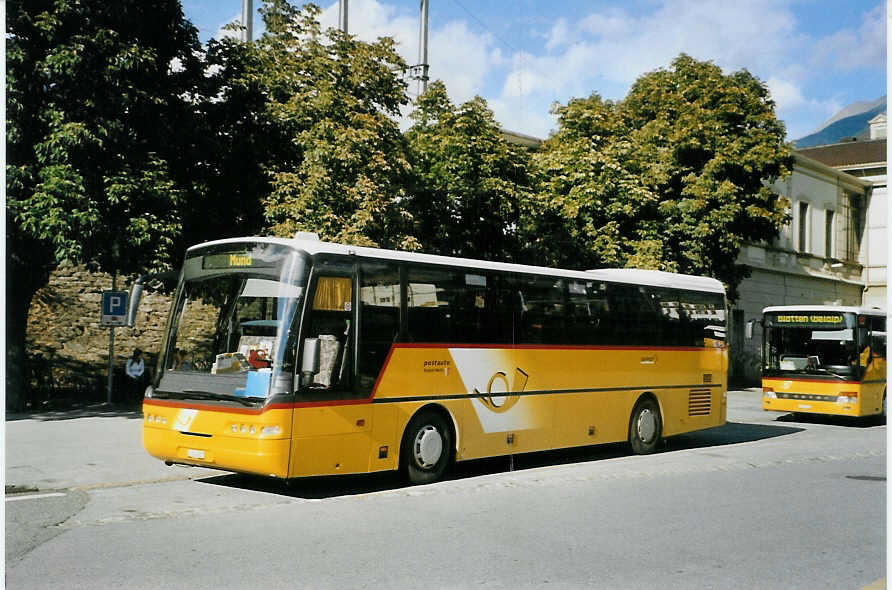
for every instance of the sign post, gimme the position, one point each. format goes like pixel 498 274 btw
pixel 114 313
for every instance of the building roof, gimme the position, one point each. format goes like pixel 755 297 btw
pixel 849 153
pixel 527 141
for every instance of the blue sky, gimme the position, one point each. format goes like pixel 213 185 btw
pixel 816 56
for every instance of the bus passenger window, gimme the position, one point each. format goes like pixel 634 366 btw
pixel 330 322
pixel 542 310
pixel 379 312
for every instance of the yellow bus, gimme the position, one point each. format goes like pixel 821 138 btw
pixel 824 360
pixel 296 357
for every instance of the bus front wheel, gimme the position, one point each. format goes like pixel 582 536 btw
pixel 645 427
pixel 426 449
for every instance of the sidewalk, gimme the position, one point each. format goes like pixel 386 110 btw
pixel 98 445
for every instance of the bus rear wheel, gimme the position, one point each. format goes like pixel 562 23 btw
pixel 645 427
pixel 426 449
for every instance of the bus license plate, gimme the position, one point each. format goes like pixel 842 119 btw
pixel 195 454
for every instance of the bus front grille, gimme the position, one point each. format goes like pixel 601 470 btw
pixel 699 402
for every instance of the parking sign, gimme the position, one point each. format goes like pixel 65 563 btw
pixel 114 308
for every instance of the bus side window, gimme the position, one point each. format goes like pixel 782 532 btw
pixel 430 308
pixel 379 299
pixel 878 337
pixel 588 318
pixel 330 321
pixel 541 318
pixel 637 311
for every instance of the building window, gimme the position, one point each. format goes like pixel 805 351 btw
pixel 803 227
pixel 828 234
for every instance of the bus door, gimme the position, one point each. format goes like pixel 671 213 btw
pixel 330 425
pixel 872 361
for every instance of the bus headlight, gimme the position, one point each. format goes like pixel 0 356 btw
pixel 271 430
pixel 768 392
pixel 847 397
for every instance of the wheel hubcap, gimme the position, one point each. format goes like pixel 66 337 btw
pixel 428 447
pixel 647 425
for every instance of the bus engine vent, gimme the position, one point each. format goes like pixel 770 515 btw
pixel 699 402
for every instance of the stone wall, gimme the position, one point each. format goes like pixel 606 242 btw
pixel 67 346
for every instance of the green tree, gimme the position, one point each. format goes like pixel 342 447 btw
pixel 470 185
pixel 343 169
pixel 97 104
pixel 233 146
pixel 673 177
pixel 592 208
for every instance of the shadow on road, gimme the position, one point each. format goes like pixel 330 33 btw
pixel 849 421
pixel 731 433
pixel 351 485
pixel 99 410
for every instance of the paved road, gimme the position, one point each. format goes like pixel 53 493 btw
pixel 760 502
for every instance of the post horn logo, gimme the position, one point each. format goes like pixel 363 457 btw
pixel 501 400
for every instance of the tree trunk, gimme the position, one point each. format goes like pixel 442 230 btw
pixel 28 269
pixel 16 357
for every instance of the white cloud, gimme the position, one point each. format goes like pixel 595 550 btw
pixel 458 56
pixel 850 49
pixel 561 34
pixel 613 22
pixel 607 50
pixel 461 58
pixel 800 113
pixel 224 33
pixel 786 95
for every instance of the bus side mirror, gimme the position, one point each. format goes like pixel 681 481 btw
pixel 133 302
pixel 162 280
pixel 309 365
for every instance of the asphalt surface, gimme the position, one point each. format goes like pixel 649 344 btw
pixel 84 473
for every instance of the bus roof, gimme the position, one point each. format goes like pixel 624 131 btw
pixel 825 309
pixel 616 275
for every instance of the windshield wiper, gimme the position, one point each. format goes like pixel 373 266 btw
pixel 245 401
pixel 829 372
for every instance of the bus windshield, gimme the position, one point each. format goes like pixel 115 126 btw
pixel 231 332
pixel 811 344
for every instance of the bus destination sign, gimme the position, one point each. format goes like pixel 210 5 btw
pixel 808 320
pixel 233 260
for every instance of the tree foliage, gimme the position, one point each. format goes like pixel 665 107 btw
pixel 96 109
pixel 335 99
pixel 673 177
pixel 470 185
pixel 95 104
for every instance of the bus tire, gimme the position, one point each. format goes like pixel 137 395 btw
pixel 426 450
pixel 645 427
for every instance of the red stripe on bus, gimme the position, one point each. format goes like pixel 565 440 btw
pixel 381 372
pixel 800 380
pixel 554 347
pixel 185 404
pixel 198 406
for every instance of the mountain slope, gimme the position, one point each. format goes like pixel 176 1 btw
pixel 854 125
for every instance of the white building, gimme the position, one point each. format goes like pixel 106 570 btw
pixel 834 252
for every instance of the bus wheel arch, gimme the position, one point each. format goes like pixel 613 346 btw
pixel 428 444
pixel 645 424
